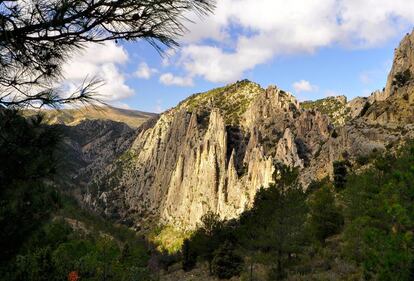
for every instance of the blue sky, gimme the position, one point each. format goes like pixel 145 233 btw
pixel 332 70
pixel 327 47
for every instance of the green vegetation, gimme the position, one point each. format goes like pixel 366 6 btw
pixel 334 107
pixel 27 161
pixel 233 100
pixel 358 227
pixel 57 249
pixel 402 78
pixel 361 229
pixel 46 235
pixel 326 218
pixel 168 239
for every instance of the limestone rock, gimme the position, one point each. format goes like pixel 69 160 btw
pixel 216 149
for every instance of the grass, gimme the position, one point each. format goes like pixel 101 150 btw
pixel 168 238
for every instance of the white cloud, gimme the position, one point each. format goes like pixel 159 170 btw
pixel 245 33
pixel 101 61
pixel 144 71
pixel 304 86
pixel 172 80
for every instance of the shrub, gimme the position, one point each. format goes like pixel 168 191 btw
pixel 402 78
pixel 226 263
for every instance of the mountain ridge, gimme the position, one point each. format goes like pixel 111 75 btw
pixel 214 150
pixel 74 116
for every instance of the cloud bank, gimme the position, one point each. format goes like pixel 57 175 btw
pixel 102 61
pixel 245 33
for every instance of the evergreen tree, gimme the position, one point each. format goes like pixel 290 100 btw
pixel 38 36
pixel 380 215
pixel 27 160
pixel 325 216
pixel 189 258
pixel 278 217
pixel 226 263
pixel 340 171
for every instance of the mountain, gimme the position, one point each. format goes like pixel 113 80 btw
pixel 214 150
pixel 211 152
pixel 73 117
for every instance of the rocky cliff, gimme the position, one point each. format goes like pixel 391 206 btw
pixel 210 153
pixel 216 149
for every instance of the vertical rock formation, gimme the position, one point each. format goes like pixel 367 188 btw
pixel 211 153
pixel 395 106
pixel 216 149
pixel 402 69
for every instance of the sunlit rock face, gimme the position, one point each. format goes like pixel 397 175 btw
pixel 216 149
pixel 210 153
pixel 395 106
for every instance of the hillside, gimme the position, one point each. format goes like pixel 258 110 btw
pixel 216 149
pixel 73 117
pixel 335 107
pixel 240 182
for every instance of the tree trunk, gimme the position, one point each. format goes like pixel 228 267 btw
pixel 251 271
pixel 279 265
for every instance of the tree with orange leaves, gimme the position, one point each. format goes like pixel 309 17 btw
pixel 73 276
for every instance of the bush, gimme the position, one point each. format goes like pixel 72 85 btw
pixel 189 257
pixel 402 78
pixel 226 263
pixel 325 217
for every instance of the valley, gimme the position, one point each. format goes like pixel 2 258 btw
pixel 242 182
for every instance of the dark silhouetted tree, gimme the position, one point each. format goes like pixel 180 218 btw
pixel 340 171
pixel 226 263
pixel 27 161
pixel 189 258
pixel 278 218
pixel 325 216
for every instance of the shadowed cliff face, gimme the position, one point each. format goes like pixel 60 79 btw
pixel 215 149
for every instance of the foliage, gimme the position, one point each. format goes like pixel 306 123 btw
pixel 401 78
pixel 334 107
pixel 27 160
pixel 233 100
pixel 57 251
pixel 38 36
pixel 209 237
pixel 168 238
pixel 188 255
pixel 226 263
pixel 278 218
pixel 325 216
pixel 379 214
pixel 340 171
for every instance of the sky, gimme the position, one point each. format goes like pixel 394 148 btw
pixel 311 48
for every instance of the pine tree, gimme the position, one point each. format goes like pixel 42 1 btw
pixel 325 216
pixel 189 258
pixel 278 218
pixel 340 171
pixel 226 263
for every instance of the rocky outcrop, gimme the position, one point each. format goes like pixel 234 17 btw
pixel 195 160
pixel 396 105
pixel 336 108
pixel 216 149
pixel 402 70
